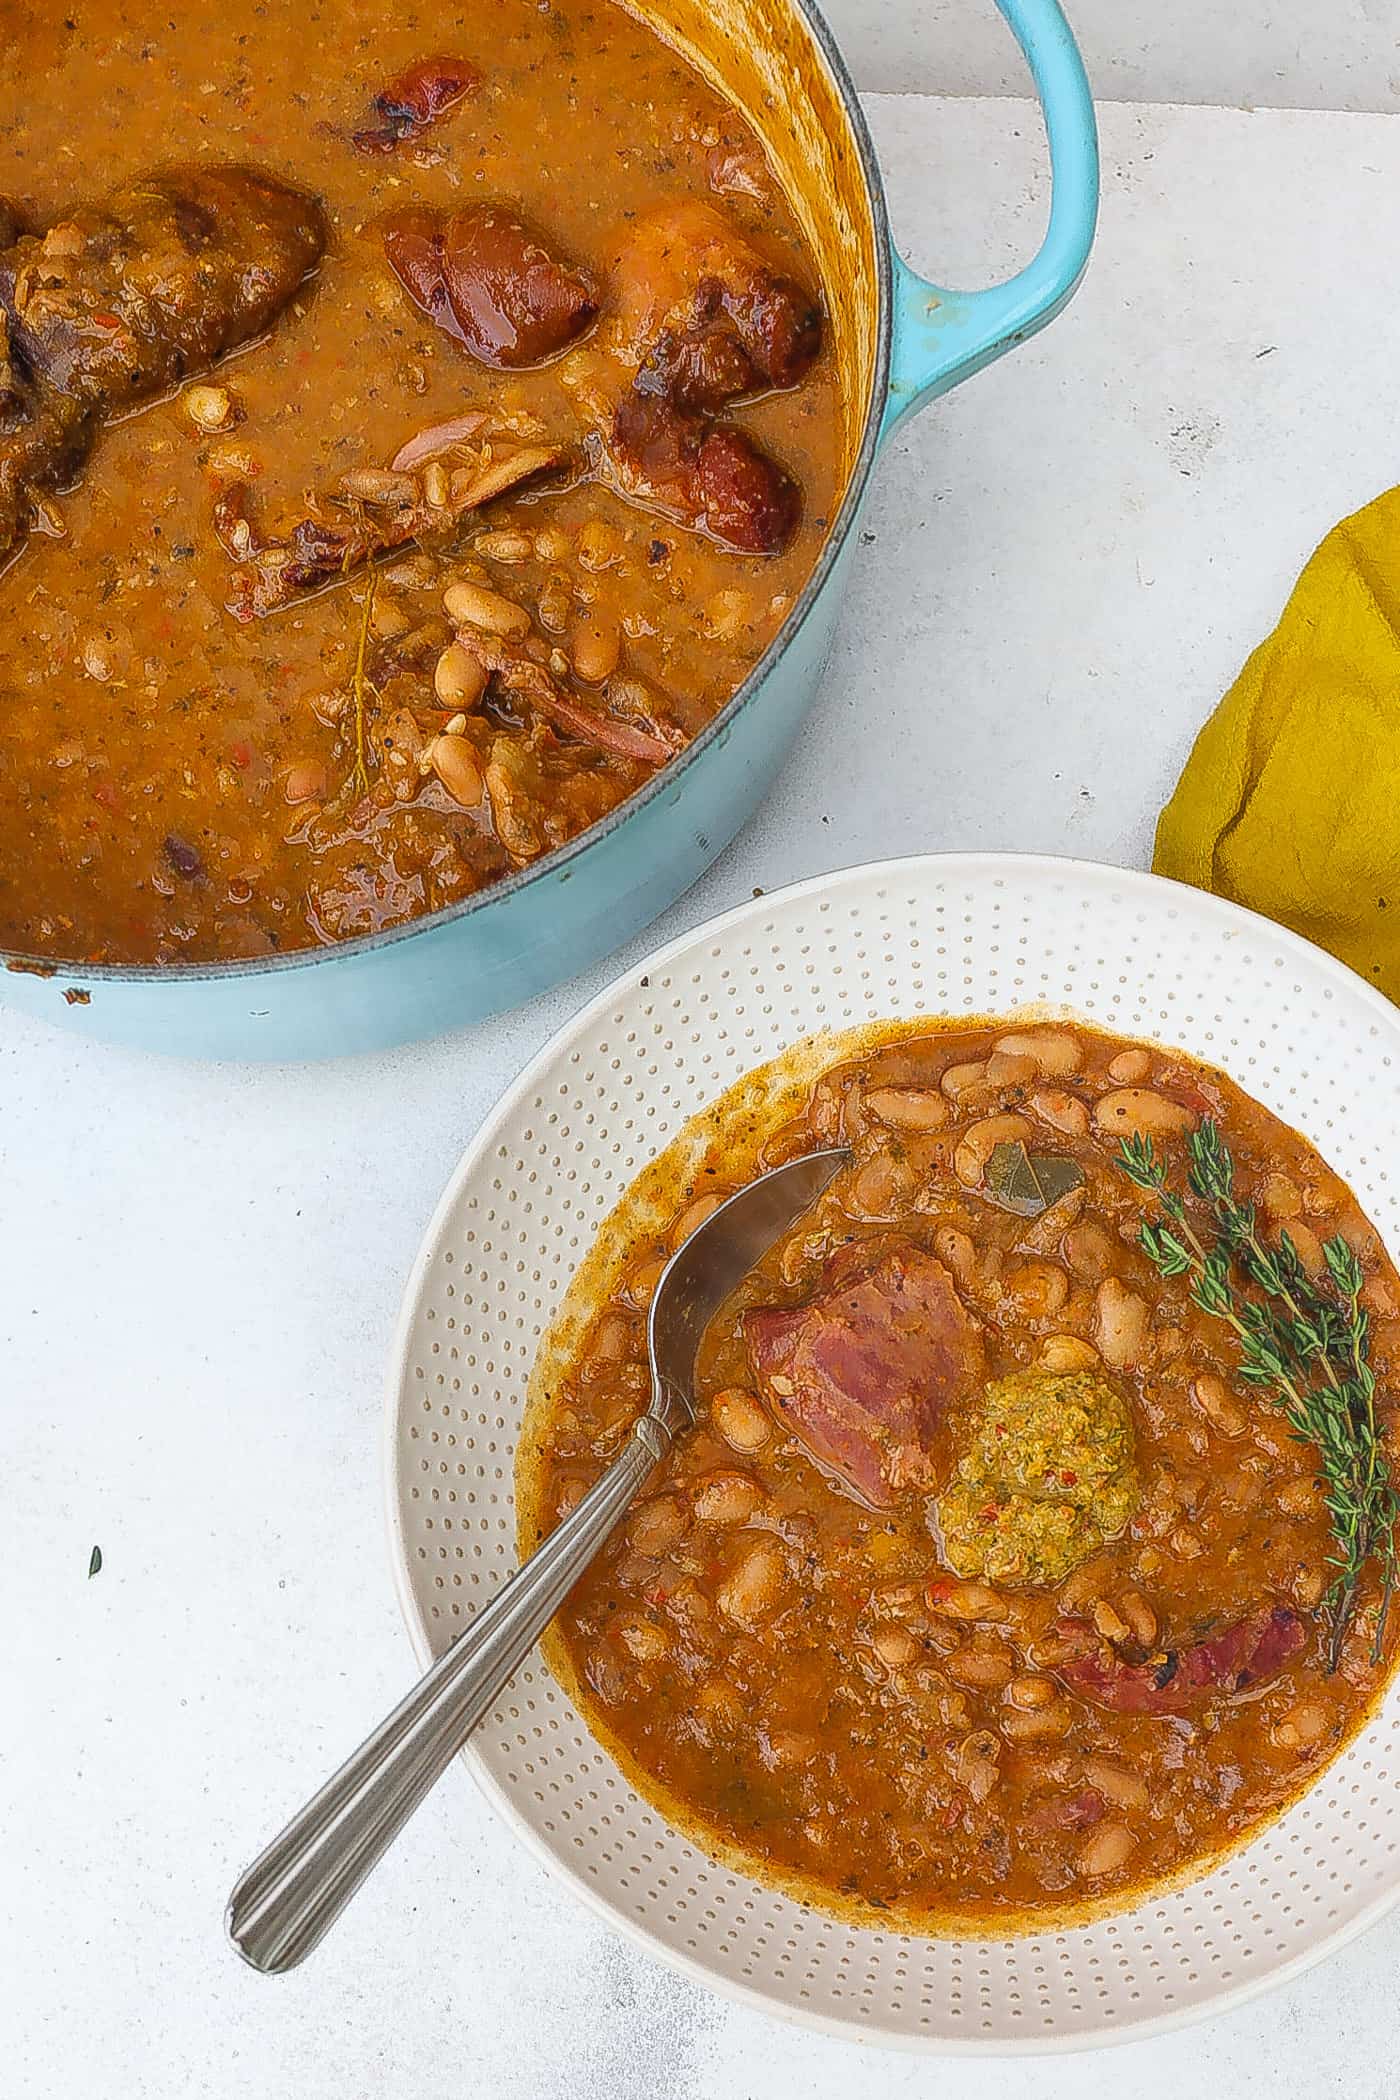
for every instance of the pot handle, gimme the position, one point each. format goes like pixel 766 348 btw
pixel 942 337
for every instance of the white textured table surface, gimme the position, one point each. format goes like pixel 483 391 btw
pixel 1285 54
pixel 200 1266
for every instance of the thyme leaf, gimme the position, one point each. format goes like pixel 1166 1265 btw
pixel 1301 1340
pixel 362 688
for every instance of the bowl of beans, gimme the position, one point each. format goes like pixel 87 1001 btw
pixel 1003 1653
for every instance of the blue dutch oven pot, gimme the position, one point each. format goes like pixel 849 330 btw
pixel 552 919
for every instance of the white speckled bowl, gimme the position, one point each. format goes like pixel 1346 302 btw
pixel 938 935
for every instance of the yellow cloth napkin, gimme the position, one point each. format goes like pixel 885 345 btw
pixel 1290 801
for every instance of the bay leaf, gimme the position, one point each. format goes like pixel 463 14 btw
pixel 1029 1182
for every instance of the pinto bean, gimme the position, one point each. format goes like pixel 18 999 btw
pixel 1089 1250
pixel 509 547
pixel 898 1600
pixel 1281 1197
pixel 907 1107
pixel 1139 1111
pixel 1046 1724
pixel 211 408
pixel 458 768
pixel 644 1641
pixel 1080 1587
pixel 1308 1247
pixel 1130 1067
pixel 472 605
pixel 790 1747
pixel 880 1188
pixel 1039 1288
pixel 656 1525
pixel 741 1419
pixel 753 1585
pixel 727 1498
pixel 595 645
pixel 1006 1070
pixel 693 1609
pixel 957 1253
pixel 965 1600
pixel 459 677
pixel 1218 1404
pixel 1110 1847
pixel 1030 1691
pixel 641 1284
pixel 1052 1051
pixel 961 1079
pixel 721 1704
pixel 388 618
pixel 305 782
pixel 895 1646
pixel 987 1665
pixel 1378 1297
pixel 1123 1789
pixel 1109 1622
pixel 1120 1323
pixel 1051 1649
pixel 979 1142
pixel 1044 1234
pixel 613 1339
pixel 1066 1352
pixel 1141 1618
pixel 1063 1112
pixel 1305 1723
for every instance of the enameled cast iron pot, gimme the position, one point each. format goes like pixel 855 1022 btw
pixel 902 342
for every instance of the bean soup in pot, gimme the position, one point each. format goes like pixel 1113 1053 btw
pixel 412 431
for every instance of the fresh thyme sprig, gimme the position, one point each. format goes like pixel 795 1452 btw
pixel 1304 1343
pixel 362 688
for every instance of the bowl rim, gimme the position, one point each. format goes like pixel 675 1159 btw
pixel 665 778
pixel 722 925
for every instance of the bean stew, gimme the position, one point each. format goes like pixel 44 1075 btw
pixel 402 457
pixel 993 1585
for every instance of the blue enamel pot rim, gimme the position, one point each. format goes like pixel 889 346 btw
pixel 1027 18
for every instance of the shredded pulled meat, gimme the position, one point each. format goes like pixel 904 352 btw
pixel 520 675
pixel 1175 1680
pixel 372 511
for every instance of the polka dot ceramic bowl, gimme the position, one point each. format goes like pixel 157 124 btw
pixel 937 935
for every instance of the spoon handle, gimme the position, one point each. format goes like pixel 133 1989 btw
pixel 295 1890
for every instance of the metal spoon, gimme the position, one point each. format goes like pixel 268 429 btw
pixel 295 1890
